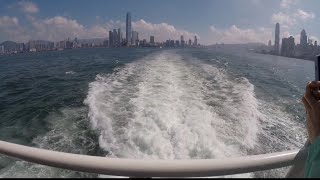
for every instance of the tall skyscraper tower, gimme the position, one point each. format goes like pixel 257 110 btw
pixel 110 39
pixel 115 37
pixel 119 37
pixel 182 41
pixel 195 40
pixel 303 39
pixel 128 28
pixel 277 39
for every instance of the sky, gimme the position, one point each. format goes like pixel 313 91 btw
pixel 212 21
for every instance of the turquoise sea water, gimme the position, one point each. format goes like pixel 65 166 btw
pixel 151 104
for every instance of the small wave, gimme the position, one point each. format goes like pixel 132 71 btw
pixel 70 72
pixel 67 135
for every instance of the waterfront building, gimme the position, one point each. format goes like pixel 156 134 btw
pixel 182 42
pixel 115 37
pixel 40 45
pixel 310 42
pixel 167 43
pixel 110 39
pixel 151 39
pixel 135 38
pixel 106 43
pixel 69 44
pixel 128 28
pixel 287 47
pixel 195 41
pixel 119 37
pixel 269 43
pixel 277 39
pixel 171 43
pixel 177 44
pixel 190 42
pixel 303 39
pixel 2 49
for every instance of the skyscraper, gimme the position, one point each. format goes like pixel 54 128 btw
pixel 269 43
pixel 115 37
pixel 128 28
pixel 303 39
pixel 190 42
pixel 277 39
pixel 177 44
pixel 119 37
pixel 135 37
pixel 287 47
pixel 195 41
pixel 110 39
pixel 151 39
pixel 182 41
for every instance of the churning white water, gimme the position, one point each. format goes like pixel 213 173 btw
pixel 167 107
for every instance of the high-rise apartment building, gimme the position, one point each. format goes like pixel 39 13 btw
pixel 303 39
pixel 182 42
pixel 151 39
pixel 128 29
pixel 277 39
pixel 135 38
pixel 110 39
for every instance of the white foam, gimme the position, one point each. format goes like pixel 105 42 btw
pixel 64 136
pixel 162 107
pixel 70 72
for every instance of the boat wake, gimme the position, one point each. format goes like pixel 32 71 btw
pixel 168 107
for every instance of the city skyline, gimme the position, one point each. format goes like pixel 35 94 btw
pixel 306 48
pixel 211 21
pixel 114 40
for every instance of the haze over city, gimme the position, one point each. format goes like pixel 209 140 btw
pixel 212 21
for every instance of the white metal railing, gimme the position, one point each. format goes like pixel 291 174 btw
pixel 151 168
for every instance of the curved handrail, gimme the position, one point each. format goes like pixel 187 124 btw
pixel 150 168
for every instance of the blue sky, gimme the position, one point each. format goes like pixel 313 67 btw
pixel 229 21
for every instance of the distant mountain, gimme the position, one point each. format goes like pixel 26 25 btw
pixel 247 45
pixel 9 45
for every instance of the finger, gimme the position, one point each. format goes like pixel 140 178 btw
pixel 314 84
pixel 306 104
pixel 310 98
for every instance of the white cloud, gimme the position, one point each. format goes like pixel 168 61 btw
pixel 235 35
pixel 8 21
pixel 11 30
pixel 287 20
pixel 59 28
pixel 284 19
pixel 288 3
pixel 303 15
pixel 162 31
pixel 28 7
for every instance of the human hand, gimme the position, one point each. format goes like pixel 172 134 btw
pixel 312 106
